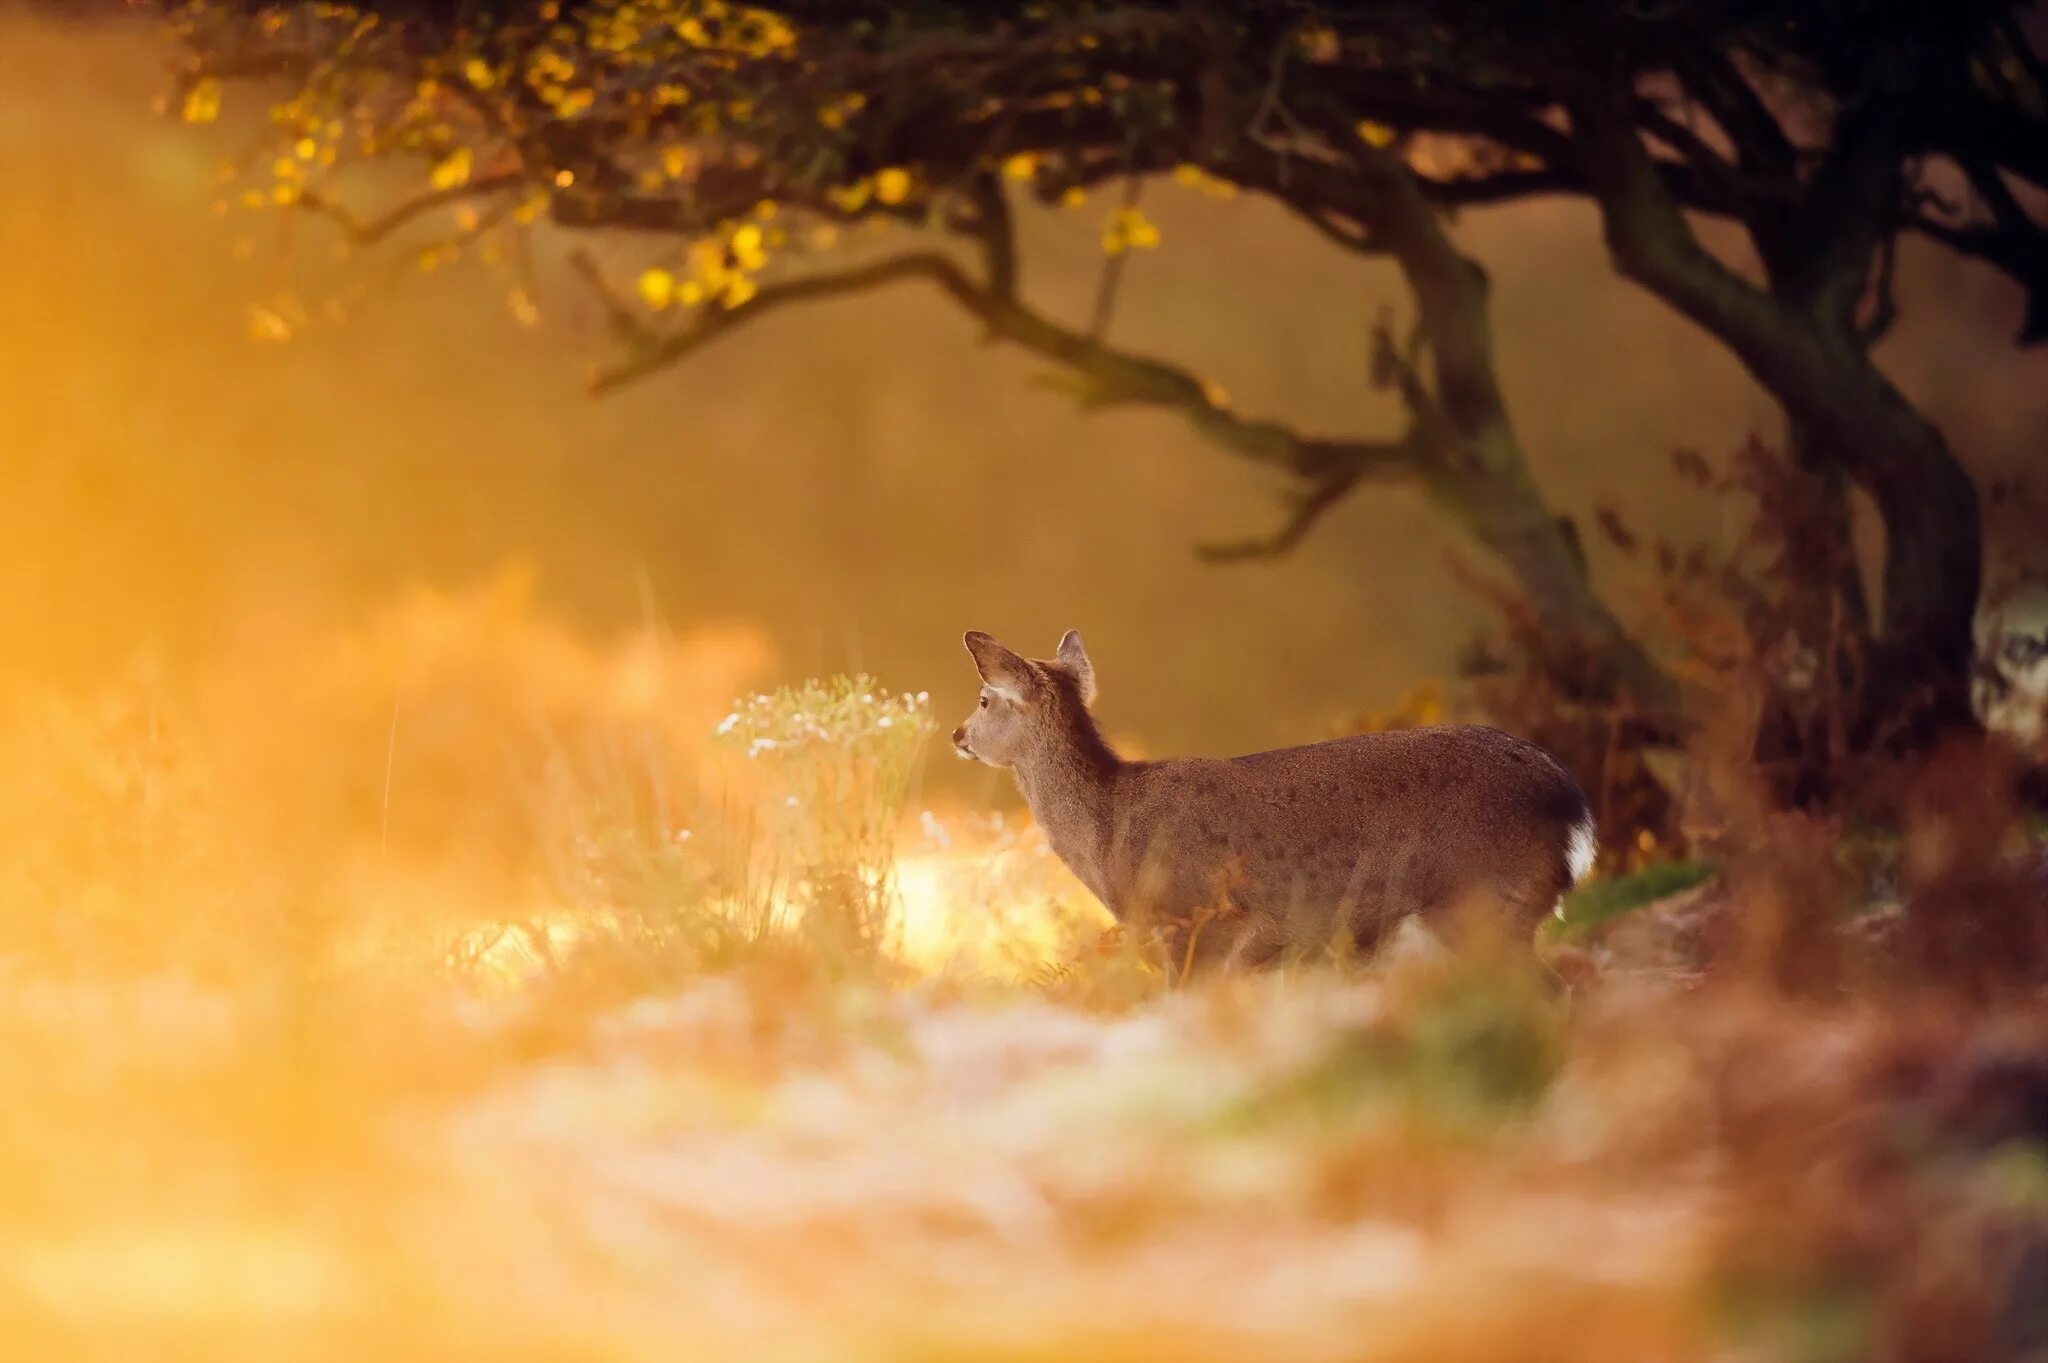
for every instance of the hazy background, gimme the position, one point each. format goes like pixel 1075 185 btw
pixel 858 482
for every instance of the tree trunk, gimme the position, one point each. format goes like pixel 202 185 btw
pixel 1849 414
pixel 1475 464
pixel 1833 392
pixel 1838 586
pixel 1583 647
pixel 1919 649
pixel 1933 570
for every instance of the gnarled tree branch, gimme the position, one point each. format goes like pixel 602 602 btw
pixel 1109 376
pixel 1308 506
pixel 368 231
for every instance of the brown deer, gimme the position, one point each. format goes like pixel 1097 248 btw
pixel 1249 860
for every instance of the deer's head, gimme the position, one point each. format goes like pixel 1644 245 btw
pixel 1025 702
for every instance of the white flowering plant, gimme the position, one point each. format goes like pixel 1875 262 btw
pixel 836 758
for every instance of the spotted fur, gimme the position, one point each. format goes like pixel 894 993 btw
pixel 1246 860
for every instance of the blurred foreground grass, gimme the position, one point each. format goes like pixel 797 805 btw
pixel 459 990
pixel 1597 901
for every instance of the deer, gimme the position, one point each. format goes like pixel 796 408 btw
pixel 1235 863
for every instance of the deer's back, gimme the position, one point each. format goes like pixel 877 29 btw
pixel 1348 835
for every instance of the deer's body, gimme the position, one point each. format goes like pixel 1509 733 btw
pixel 1244 860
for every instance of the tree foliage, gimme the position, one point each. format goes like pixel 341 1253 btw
pixel 752 136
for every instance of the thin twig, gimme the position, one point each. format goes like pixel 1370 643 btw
pixel 624 319
pixel 366 232
pixel 1308 508
pixel 1111 279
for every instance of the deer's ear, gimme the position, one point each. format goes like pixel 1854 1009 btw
pixel 999 667
pixel 1073 656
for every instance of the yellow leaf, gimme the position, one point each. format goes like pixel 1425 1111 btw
pixel 1129 229
pixel 267 324
pixel 892 186
pixel 850 198
pixel 739 290
pixel 452 169
pixel 707 258
pixel 1195 178
pixel 675 159
pixel 1375 134
pixel 1321 43
pixel 836 114
pixel 657 288
pixel 307 148
pixel 746 247
pixel 202 101
pixel 1022 166
pixel 480 74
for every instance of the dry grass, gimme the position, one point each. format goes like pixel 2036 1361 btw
pixel 496 1065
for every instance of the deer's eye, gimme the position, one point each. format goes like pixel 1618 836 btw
pixel 984 702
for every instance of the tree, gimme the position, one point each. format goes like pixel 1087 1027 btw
pixel 1824 131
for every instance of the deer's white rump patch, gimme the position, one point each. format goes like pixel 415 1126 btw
pixel 1578 857
pixel 1581 847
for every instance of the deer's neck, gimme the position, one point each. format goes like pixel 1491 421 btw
pixel 1068 781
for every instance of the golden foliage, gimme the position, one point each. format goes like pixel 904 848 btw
pixel 452 170
pixel 1128 229
pixel 202 101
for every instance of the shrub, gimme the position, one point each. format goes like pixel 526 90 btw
pixel 837 758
